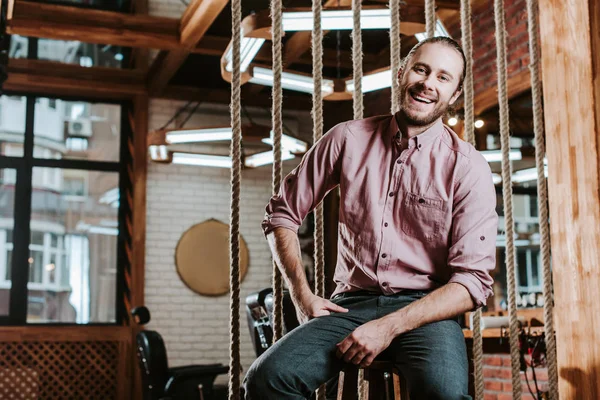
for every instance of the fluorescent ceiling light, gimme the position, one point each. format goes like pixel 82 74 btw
pixel 199 135
pixel 440 30
pixel 159 153
pixel 496 155
pixel 337 20
pixel 371 82
pixel 496 178
pixel 264 158
pixel 204 160
pixel 289 144
pixel 248 49
pixel 297 82
pixel 526 175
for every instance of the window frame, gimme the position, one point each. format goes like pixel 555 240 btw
pixel 23 165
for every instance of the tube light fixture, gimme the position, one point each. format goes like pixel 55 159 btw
pixel 496 178
pixel 199 135
pixel 291 81
pixel 337 20
pixel 496 155
pixel 371 82
pixel 440 30
pixel 526 175
pixel 249 47
pixel 452 121
pixel 204 160
pixel 289 144
pixel 264 158
pixel 159 153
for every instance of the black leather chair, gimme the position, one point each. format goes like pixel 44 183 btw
pixel 259 312
pixel 181 383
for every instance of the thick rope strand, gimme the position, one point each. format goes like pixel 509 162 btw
pixel 277 121
pixel 469 127
pixel 430 18
pixel 507 196
pixel 540 151
pixel 357 59
pixel 467 43
pixel 317 115
pixel 395 53
pixel 234 233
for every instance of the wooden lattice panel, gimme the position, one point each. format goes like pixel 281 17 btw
pixel 59 370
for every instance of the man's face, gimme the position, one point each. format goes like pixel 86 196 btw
pixel 429 83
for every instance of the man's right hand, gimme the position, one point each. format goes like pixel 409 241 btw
pixel 312 306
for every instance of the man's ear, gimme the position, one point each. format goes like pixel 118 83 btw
pixel 455 96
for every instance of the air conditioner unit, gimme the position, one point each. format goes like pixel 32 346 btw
pixel 80 128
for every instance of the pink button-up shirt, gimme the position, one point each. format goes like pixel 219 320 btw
pixel 414 214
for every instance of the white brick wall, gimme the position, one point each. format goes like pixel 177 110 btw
pixel 195 328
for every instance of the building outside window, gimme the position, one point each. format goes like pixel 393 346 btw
pixel 60 175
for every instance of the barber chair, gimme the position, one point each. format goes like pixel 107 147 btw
pixel 160 382
pixel 259 312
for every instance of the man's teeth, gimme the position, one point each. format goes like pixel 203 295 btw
pixel 424 100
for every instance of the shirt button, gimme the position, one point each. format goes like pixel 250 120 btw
pixel 384 284
pixel 421 201
pixel 391 194
pixel 482 238
pixel 383 255
pixel 399 161
pixel 386 224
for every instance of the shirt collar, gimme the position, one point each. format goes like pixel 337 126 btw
pixel 421 139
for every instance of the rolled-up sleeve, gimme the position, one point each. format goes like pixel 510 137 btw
pixel 306 186
pixel 472 253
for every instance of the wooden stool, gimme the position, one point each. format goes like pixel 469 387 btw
pixel 376 382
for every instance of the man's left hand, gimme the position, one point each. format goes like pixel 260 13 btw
pixel 365 343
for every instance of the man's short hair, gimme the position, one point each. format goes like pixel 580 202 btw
pixel 445 41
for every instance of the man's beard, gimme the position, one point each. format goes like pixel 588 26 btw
pixel 415 118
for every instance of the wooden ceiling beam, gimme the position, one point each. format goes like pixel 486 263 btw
pixel 93 26
pixel 196 20
pixel 57 79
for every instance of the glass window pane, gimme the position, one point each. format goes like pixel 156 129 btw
pixel 79 252
pixel 536 266
pixel 83 54
pixel 12 126
pixel 7 204
pixel 522 266
pixel 18 46
pixel 533 206
pixel 76 130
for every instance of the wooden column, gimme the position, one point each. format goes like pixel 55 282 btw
pixel 138 243
pixel 570 41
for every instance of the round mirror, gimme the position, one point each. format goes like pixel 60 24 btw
pixel 202 258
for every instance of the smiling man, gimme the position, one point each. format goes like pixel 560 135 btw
pixel 416 242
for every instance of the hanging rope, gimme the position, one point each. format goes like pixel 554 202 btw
pixel 430 18
pixel 507 196
pixel 234 232
pixel 395 52
pixel 317 116
pixel 357 58
pixel 469 127
pixel 540 151
pixel 277 120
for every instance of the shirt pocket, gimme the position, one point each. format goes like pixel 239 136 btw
pixel 422 217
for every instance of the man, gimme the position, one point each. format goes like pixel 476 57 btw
pixel 417 230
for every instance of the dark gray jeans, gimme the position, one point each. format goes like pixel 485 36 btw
pixel 432 358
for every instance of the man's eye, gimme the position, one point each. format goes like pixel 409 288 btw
pixel 420 69
pixel 444 78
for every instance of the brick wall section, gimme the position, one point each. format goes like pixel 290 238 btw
pixel 195 328
pixel 498 381
pixel 484 42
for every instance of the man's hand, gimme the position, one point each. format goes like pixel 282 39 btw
pixel 365 343
pixel 311 306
